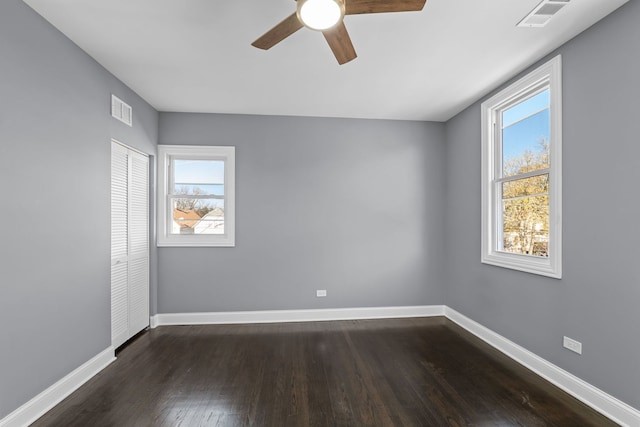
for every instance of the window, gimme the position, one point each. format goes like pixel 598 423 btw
pixel 196 196
pixel 521 174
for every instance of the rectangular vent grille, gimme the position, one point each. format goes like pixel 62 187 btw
pixel 121 111
pixel 542 13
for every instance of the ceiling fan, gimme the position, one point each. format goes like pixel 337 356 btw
pixel 327 16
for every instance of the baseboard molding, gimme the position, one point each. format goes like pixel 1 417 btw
pixel 153 321
pixel 602 402
pixel 43 402
pixel 278 316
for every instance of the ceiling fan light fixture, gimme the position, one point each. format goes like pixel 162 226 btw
pixel 320 14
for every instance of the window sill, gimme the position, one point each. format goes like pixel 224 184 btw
pixel 195 241
pixel 528 264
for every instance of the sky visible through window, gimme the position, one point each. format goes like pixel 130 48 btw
pixel 525 125
pixel 205 175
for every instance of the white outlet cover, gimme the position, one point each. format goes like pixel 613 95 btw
pixel 321 293
pixel 573 345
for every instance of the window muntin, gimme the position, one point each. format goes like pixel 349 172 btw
pixel 197 203
pixel 521 174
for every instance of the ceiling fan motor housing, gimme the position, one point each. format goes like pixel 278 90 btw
pixel 320 15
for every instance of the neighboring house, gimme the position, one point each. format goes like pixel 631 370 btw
pixel 184 221
pixel 211 223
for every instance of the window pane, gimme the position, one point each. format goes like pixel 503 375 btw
pixel 526 108
pixel 198 216
pixel 198 177
pixel 525 136
pixel 525 216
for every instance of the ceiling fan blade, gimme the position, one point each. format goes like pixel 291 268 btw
pixel 354 7
pixel 340 43
pixel 284 29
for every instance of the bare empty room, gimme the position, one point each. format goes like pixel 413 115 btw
pixel 238 214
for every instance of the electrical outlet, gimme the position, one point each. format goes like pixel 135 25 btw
pixel 321 293
pixel 573 345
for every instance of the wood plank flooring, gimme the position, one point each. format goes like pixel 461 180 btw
pixel 392 372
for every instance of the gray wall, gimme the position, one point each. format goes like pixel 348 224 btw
pixel 55 131
pixel 596 302
pixel 350 206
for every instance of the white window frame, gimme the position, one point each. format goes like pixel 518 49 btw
pixel 548 75
pixel 165 212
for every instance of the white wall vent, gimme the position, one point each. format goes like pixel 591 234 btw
pixel 121 110
pixel 542 13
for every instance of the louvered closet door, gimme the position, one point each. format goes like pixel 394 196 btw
pixel 129 243
pixel 138 243
pixel 119 244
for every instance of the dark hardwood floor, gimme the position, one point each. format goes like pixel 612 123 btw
pixel 398 372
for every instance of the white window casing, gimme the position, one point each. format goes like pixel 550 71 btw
pixel 167 155
pixel 548 76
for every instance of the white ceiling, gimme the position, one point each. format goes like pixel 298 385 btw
pixel 196 55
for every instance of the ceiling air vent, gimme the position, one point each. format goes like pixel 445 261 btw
pixel 542 13
pixel 121 111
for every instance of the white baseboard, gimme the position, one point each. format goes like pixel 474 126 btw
pixel 153 321
pixel 43 402
pixel 277 316
pixel 602 402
